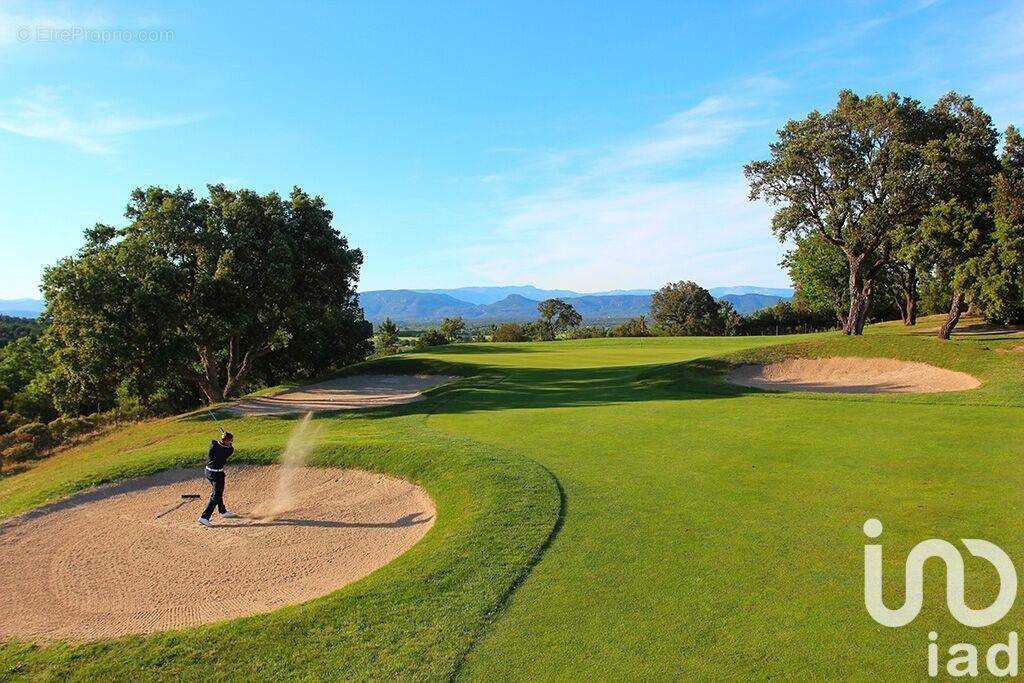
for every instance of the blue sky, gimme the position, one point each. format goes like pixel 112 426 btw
pixel 577 145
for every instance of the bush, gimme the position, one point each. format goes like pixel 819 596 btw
pixel 10 421
pixel 635 327
pixel 431 337
pixel 19 452
pixel 586 332
pixel 509 332
pixel 65 428
pixel 36 433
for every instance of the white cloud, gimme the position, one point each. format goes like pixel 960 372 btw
pixel 45 114
pixel 20 21
pixel 639 235
pixel 637 212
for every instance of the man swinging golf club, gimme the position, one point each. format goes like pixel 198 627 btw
pixel 216 458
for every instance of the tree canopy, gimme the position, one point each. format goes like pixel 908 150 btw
pixel 904 196
pixel 203 289
pixel 558 315
pixel 853 176
pixel 387 339
pixel 686 308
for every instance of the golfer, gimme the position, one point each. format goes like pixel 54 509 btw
pixel 216 458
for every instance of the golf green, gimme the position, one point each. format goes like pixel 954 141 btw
pixel 613 509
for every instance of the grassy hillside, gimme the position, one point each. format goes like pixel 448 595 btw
pixel 613 509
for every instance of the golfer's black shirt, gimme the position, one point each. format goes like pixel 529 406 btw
pixel 218 455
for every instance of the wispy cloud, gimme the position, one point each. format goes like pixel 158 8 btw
pixel 46 114
pixel 19 21
pixel 634 213
pixel 852 32
pixel 639 235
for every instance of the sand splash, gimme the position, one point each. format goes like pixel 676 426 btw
pixel 293 458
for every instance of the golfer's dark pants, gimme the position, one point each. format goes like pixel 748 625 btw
pixel 217 495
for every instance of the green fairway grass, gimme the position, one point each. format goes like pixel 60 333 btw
pixel 613 509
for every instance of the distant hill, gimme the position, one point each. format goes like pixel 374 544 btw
pixel 414 307
pixel 405 305
pixel 498 304
pixel 745 304
pixel 490 295
pixel 781 292
pixel 22 308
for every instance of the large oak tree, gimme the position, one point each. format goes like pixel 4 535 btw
pixel 203 289
pixel 853 176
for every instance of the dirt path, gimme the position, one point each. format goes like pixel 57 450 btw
pixel 129 558
pixel 852 376
pixel 344 393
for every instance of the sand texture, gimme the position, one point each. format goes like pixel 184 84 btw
pixel 852 376
pixel 131 557
pixel 344 393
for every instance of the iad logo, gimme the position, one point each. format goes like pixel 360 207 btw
pixel 1001 658
pixel 914 598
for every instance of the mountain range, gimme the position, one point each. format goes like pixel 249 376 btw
pixel 21 308
pixel 500 304
pixel 518 304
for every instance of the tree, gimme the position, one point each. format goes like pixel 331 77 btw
pixel 732 321
pixel 955 236
pixel 431 337
pixel 202 289
pixel 386 341
pixel 904 275
pixel 634 327
pixel 820 275
pixel 852 176
pixel 453 329
pixel 686 308
pixel 508 332
pixel 23 363
pixel 558 315
pixel 1001 293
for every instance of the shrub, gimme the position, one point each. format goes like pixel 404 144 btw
pixel 65 428
pixel 509 332
pixel 636 327
pixel 19 452
pixel 10 421
pixel 431 337
pixel 35 432
pixel 586 332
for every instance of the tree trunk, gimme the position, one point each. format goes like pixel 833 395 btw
pixel 954 315
pixel 866 294
pixel 860 296
pixel 910 293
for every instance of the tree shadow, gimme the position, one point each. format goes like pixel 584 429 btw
pixel 540 388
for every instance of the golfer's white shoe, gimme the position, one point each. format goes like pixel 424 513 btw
pixel 204 521
pixel 228 515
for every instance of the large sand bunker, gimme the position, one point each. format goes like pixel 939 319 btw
pixel 344 393
pixel 131 557
pixel 852 376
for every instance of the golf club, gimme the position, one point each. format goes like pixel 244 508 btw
pixel 219 425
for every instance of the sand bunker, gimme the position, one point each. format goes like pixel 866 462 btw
pixel 106 563
pixel 344 393
pixel 852 376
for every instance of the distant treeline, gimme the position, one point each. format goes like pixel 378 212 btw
pixel 12 328
pixel 677 309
